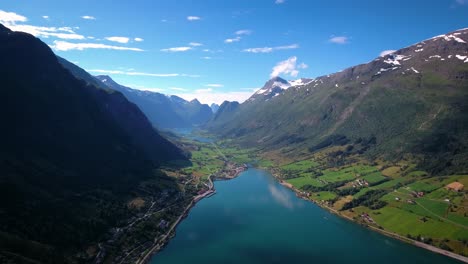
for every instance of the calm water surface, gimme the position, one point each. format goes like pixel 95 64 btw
pixel 254 219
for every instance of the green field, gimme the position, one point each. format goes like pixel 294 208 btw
pixel 303 181
pixel 390 184
pixel 361 192
pixel 362 170
pixel 374 177
pixel 326 196
pixel 438 208
pixel 425 186
pixel 404 222
pixel 263 163
pixel 238 155
pixel 337 176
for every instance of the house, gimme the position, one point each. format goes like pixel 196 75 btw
pixel 454 186
pixel 163 224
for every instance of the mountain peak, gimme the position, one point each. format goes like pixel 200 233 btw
pixel 106 79
pixel 277 79
pixel 195 101
pixel 276 86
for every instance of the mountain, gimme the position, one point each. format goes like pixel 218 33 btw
pixel 413 100
pixel 71 154
pixel 225 111
pixel 275 87
pixel 163 111
pixel 214 107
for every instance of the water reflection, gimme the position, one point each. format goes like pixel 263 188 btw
pixel 281 196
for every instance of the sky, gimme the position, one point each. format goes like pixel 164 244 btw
pixel 217 50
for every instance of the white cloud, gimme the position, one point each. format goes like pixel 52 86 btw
pixel 138 39
pixel 238 38
pixel 207 90
pixel 339 40
pixel 45 32
pixel 133 73
pixel 253 90
pixel 231 40
pixel 270 49
pixel 65 46
pixel 177 49
pixel 287 67
pixel 207 58
pixel 88 17
pixel 177 89
pixel 122 40
pixel 193 18
pixel 144 88
pixel 212 51
pixel 386 52
pixel 462 2
pixel 205 96
pixel 302 66
pixel 214 85
pixel 244 32
pixel 195 44
pixel 279 1
pixel 10 17
pixel 45 17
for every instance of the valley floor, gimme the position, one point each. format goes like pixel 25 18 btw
pixel 394 199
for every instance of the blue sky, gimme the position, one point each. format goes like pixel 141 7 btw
pixel 222 50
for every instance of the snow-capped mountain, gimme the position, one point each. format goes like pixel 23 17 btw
pixel 276 86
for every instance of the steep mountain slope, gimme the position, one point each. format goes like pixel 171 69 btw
pixel 414 100
pixel 71 153
pixel 163 111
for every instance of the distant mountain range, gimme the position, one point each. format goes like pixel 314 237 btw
pixel 413 100
pixel 71 154
pixel 164 111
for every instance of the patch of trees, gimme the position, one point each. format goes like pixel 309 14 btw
pixel 370 200
pixel 330 187
pixel 333 140
pixel 348 191
pixel 379 182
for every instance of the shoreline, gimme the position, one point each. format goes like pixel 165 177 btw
pixel 373 228
pixel 162 242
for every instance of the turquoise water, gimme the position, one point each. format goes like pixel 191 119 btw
pixel 254 219
pixel 189 133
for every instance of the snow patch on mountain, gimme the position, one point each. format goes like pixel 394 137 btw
pixel 450 37
pixel 395 59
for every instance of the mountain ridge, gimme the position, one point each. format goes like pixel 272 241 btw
pixel 164 111
pixel 71 156
pixel 419 90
